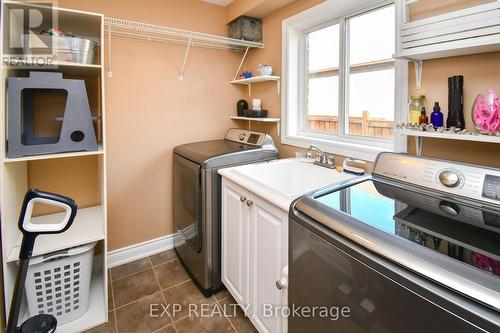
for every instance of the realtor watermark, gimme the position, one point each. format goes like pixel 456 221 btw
pixel 204 310
pixel 207 310
pixel 29 27
pixel 299 311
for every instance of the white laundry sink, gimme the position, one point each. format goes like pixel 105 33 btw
pixel 282 181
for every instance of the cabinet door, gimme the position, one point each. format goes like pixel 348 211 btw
pixel 235 241
pixel 268 257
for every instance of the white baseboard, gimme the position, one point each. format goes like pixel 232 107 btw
pixel 141 250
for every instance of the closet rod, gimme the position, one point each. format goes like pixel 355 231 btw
pixel 166 40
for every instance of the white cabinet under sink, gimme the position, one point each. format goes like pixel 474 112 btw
pixel 255 203
pixel 255 255
pixel 235 231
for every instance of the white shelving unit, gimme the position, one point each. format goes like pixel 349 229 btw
pixel 100 151
pixel 277 121
pixel 17 175
pixel 257 79
pixel 419 135
pixel 467 31
pixel 87 227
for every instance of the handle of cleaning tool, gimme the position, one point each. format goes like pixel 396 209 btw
pixel 31 230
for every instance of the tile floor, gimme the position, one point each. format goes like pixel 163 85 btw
pixel 153 285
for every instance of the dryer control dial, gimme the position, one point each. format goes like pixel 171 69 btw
pixel 450 178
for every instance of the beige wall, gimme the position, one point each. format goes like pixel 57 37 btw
pixel 149 111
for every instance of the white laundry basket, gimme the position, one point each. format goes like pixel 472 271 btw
pixel 58 283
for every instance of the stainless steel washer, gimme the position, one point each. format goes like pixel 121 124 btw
pixel 415 247
pixel 197 203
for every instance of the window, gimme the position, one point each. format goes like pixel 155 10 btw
pixel 341 78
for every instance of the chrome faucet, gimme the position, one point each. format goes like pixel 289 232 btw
pixel 321 158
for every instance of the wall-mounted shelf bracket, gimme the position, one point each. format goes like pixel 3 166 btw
pixel 236 75
pixel 419 64
pixel 181 74
pixel 418 145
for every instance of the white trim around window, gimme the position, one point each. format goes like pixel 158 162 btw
pixel 294 30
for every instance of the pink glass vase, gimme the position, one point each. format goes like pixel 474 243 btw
pixel 486 113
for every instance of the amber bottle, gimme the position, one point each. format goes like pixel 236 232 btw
pixel 423 119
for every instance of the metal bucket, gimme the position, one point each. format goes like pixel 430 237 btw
pixel 71 49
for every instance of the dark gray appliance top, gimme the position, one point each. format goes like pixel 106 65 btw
pixel 442 235
pixel 231 150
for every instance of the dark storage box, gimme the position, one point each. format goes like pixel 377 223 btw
pixel 246 28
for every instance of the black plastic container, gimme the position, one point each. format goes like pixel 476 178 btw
pixel 456 102
pixel 256 113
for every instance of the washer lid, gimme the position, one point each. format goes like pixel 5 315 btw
pixel 451 241
pixel 202 152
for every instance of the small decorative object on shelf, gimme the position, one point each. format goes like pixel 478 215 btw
pixel 456 102
pixel 423 119
pixel 486 113
pixel 241 106
pixel 415 105
pixel 431 128
pixel 437 118
pixel 265 69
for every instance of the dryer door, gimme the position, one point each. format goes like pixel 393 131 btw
pixel 187 201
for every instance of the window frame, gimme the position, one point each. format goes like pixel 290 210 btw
pixel 295 72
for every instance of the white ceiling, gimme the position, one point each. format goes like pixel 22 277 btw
pixel 222 3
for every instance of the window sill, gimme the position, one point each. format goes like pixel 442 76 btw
pixel 344 146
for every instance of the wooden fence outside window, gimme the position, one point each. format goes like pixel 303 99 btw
pixel 364 125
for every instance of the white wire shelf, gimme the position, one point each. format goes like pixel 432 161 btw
pixel 152 32
pixel 157 33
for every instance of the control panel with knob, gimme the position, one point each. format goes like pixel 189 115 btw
pixel 469 181
pixel 245 137
pixel 450 178
pixel 491 187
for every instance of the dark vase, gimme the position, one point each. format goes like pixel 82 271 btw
pixel 241 106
